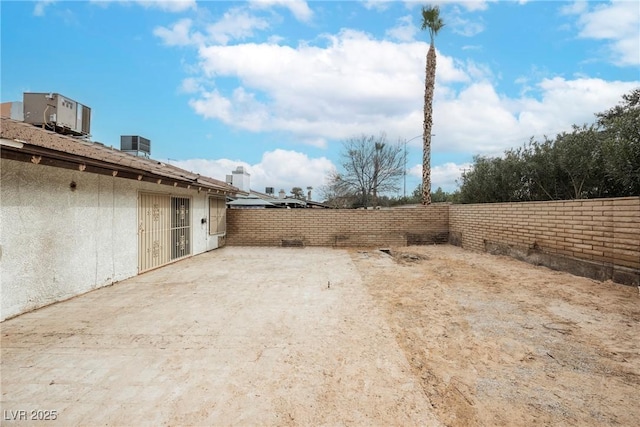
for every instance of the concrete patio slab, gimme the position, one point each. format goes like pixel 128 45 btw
pixel 238 336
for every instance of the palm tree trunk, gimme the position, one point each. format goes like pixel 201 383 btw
pixel 429 84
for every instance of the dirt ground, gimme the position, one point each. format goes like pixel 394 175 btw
pixel 425 335
pixel 494 341
pixel 241 336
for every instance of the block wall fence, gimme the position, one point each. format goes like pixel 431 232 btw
pixel 604 234
pixel 597 238
pixel 337 227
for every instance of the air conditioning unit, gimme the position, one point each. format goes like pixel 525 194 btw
pixel 135 145
pixel 56 112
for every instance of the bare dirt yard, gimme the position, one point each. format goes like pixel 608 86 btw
pixel 494 341
pixel 425 335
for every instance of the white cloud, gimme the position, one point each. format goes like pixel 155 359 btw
pixel 286 168
pixel 618 22
pixel 275 39
pixel 575 8
pixel 213 106
pixel 447 175
pixel 354 84
pixel 480 121
pixel 177 35
pixel 278 168
pixel 213 168
pixel 470 5
pixel 473 5
pixel 444 176
pixel 235 24
pixel 478 71
pixel 40 6
pixel 299 8
pixel 379 5
pixel 240 110
pixel 465 27
pixel 169 5
pixel 566 102
pixel 173 6
pixel 190 85
pixel 405 31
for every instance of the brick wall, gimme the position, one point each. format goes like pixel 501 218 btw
pixel 600 232
pixel 337 228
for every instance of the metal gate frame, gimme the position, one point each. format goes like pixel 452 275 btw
pixel 180 227
pixel 164 229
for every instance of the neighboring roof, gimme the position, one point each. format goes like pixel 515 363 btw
pixel 263 196
pixel 28 143
pixel 313 204
pixel 249 201
pixel 287 202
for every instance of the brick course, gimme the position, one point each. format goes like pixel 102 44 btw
pixel 605 230
pixel 601 234
pixel 337 228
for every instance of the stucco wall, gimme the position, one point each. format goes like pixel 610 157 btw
pixel 56 243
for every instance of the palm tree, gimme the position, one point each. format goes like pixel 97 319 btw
pixel 430 20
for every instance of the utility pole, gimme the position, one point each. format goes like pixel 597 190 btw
pixel 404 175
pixel 404 172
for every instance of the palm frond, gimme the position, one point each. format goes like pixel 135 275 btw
pixel 431 20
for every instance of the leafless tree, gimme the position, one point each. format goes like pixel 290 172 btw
pixel 370 166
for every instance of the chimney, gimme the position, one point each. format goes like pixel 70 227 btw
pixel 240 178
pixel 281 194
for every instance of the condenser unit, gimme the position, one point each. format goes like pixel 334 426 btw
pixel 58 113
pixel 136 145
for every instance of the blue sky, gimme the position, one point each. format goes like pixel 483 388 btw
pixel 276 85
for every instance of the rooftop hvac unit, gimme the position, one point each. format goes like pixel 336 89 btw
pixel 136 145
pixel 57 113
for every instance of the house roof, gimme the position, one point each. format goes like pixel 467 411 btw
pixel 25 142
